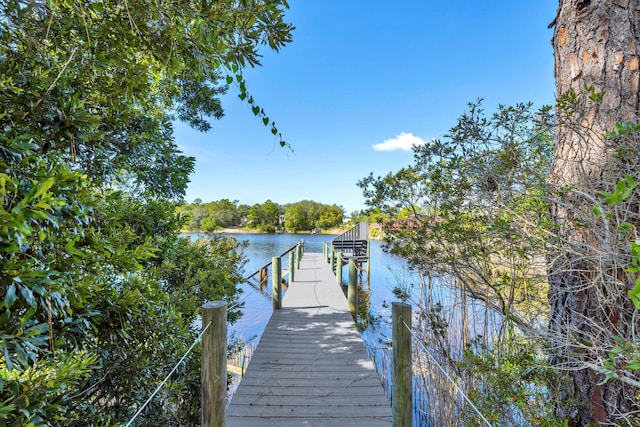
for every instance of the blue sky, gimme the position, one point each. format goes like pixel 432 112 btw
pixel 364 75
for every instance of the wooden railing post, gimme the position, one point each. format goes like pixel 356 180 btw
pixel 214 364
pixel 292 267
pixel 331 259
pixel 339 268
pixel 368 258
pixel 298 255
pixel 401 388
pixel 324 250
pixel 352 292
pixel 276 282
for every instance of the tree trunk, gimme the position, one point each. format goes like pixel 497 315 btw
pixel 595 45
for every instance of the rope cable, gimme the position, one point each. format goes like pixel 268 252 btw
pixel 421 344
pixel 168 375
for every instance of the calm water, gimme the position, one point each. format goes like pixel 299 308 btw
pixel 387 272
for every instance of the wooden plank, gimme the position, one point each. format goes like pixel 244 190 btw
pixel 299 379
pixel 311 366
pixel 311 411
pixel 317 392
pixel 297 422
pixel 302 400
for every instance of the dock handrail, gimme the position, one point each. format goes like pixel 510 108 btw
pixel 360 231
pixel 292 248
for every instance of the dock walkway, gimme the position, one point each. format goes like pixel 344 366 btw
pixel 311 367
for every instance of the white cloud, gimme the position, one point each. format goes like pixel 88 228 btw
pixel 404 141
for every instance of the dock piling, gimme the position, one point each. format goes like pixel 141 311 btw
pixel 291 267
pixel 276 283
pixel 214 364
pixel 401 388
pixel 331 255
pixel 352 292
pixel 339 268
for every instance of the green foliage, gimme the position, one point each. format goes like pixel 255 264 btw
pixel 472 210
pixel 308 215
pixel 35 392
pixel 208 224
pixel 98 292
pixel 510 384
pixel 623 362
pixel 330 216
pixel 625 356
pixel 372 216
pixel 264 217
pixel 634 293
pixel 473 206
pixel 301 216
pixel 196 271
pixel 255 109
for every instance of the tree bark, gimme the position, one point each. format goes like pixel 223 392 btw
pixel 595 45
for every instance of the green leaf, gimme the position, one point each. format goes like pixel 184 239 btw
pixel 630 181
pixel 597 210
pixel 634 365
pixel 229 79
pixel 27 294
pixel 44 187
pixel 7 358
pixel 10 296
pixel 265 120
pixel 634 294
pixel 28 315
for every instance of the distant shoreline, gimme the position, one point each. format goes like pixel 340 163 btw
pixel 251 231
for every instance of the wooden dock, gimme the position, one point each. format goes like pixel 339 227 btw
pixel 311 367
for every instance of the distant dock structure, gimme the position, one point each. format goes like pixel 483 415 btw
pixel 352 244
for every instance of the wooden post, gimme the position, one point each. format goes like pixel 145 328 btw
pixel 339 268
pixel 368 256
pixel 401 388
pixel 331 259
pixel 352 292
pixel 298 255
pixel 368 263
pixel 292 268
pixel 214 365
pixel 302 246
pixel 276 282
pixel 324 250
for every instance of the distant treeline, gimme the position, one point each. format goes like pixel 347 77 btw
pixel 269 216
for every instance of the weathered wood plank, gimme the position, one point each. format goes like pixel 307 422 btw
pixel 297 422
pixel 318 391
pixel 311 411
pixel 311 367
pixel 278 377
